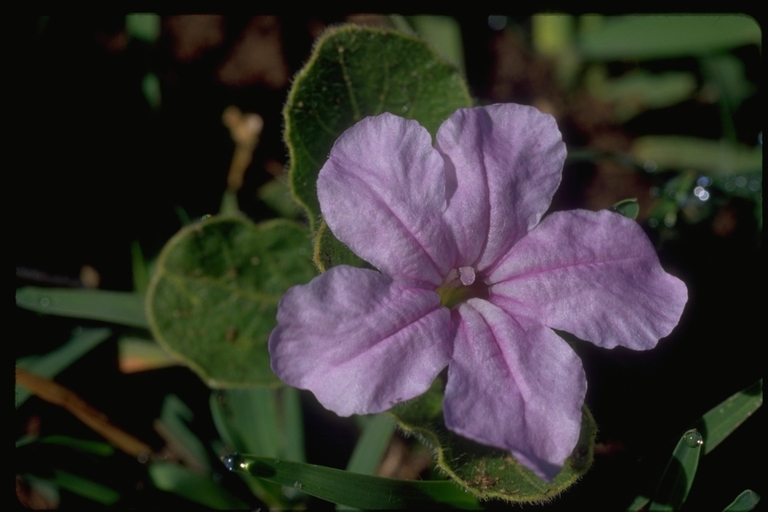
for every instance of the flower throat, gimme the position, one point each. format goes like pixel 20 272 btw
pixel 461 285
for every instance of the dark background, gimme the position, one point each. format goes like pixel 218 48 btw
pixel 100 168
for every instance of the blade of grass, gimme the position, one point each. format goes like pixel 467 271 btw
pixel 198 488
pixel 172 428
pixel 139 354
pixel 678 477
pixel 56 361
pixel 293 424
pixel 86 488
pixel 354 490
pixel 745 501
pixel 116 307
pixel 371 446
pixel 255 418
pixel 658 37
pixel 639 503
pixel 82 445
pixel 720 421
pixel 241 417
pixel 717 424
pixel 140 267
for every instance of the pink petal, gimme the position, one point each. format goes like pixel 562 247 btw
pixel 382 192
pixel 360 341
pixel 593 274
pixel 504 166
pixel 516 385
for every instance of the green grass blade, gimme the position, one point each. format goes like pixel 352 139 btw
pixel 234 413
pixel 82 445
pixel 86 488
pixel 247 420
pixel 173 428
pixel 264 421
pixel 660 37
pixel 639 503
pixel 717 424
pixel 679 474
pixel 745 501
pixel 720 421
pixel 56 361
pixel 198 488
pixel 116 307
pixel 371 446
pixel 293 424
pixel 140 354
pixel 140 268
pixel 354 490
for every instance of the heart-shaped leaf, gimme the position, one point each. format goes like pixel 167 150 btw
pixel 355 72
pixel 213 299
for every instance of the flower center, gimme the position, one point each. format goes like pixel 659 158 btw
pixel 460 285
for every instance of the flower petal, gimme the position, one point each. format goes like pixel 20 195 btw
pixel 516 385
pixel 382 192
pixel 360 341
pixel 593 274
pixel 504 166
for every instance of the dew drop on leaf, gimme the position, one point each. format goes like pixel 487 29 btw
pixel 693 439
pixel 232 462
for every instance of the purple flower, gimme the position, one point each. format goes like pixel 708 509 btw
pixel 471 278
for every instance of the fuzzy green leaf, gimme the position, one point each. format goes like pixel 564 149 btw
pixel 356 72
pixel 329 251
pixel 484 471
pixel 213 299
